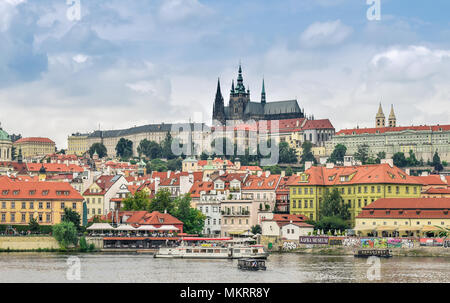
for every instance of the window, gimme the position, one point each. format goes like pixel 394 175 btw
pixel 41 205
pixel 13 205
pixel 48 217
pixel 13 217
pixel 3 217
pixel 62 205
pixel 24 217
pixel 3 205
pixel 74 205
pixel 31 205
pixel 48 205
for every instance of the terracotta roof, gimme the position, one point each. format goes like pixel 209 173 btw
pixel 250 168
pixel 34 139
pixel 432 180
pixel 407 208
pixel 381 130
pixel 437 191
pixel 55 167
pixel 364 174
pixel 199 187
pixel 104 182
pixel 146 218
pixel 318 124
pixel 30 190
pixel 254 182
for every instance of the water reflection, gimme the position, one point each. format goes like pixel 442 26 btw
pixel 283 268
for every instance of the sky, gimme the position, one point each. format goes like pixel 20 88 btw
pixel 124 63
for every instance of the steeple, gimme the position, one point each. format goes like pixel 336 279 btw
pixel 219 106
pixel 380 119
pixel 232 87
pixel 263 93
pixel 240 81
pixel 392 119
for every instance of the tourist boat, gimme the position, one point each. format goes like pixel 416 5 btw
pixel 381 253
pixel 212 248
pixel 251 264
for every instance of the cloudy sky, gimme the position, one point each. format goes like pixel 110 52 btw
pixel 126 63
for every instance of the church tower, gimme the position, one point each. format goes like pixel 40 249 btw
pixel 263 93
pixel 239 98
pixel 392 118
pixel 219 106
pixel 380 119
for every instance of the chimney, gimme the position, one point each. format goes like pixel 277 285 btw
pixel 168 173
pixel 283 173
pixel 330 165
pixel 388 161
pixel 443 178
pixel 408 171
pixel 308 165
pixel 267 173
pixel 157 180
pixel 425 173
pixel 259 173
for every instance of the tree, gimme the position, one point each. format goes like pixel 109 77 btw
pixel 124 148
pixel 287 153
pixel 337 156
pixel 99 148
pixel 174 164
pixel 162 202
pixel 412 160
pixel 139 201
pixel 166 147
pixel 331 223
pixel 399 159
pixel 289 171
pixel 274 170
pixel 380 156
pixel 362 154
pixel 156 165
pixel 193 219
pixel 72 216
pixel 307 154
pixel 33 225
pixel 437 162
pixel 334 206
pixel 65 233
pixel 256 229
pixel 150 149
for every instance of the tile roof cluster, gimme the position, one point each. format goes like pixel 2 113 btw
pixel 105 183
pixel 413 208
pixel 54 167
pixel 154 218
pixel 254 182
pixel 434 180
pixel 382 130
pixel 284 219
pixel 32 190
pixel 348 175
pixel 174 179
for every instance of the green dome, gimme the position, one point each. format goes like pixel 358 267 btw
pixel 4 136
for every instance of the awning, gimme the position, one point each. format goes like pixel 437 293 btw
pixel 100 226
pixel 125 227
pixel 363 228
pixel 431 228
pixel 409 228
pixel 386 228
pixel 146 227
pixel 236 232
pixel 167 227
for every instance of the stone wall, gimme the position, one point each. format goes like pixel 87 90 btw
pixel 28 243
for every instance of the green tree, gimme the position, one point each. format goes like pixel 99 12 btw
pixel 124 148
pixel 256 229
pixel 337 156
pixel 193 219
pixel 400 160
pixel 289 171
pixel 362 154
pixel 334 206
pixel 156 165
pixel 331 223
pixel 33 225
pixel 274 170
pixel 437 162
pixel 99 148
pixel 139 201
pixel 65 233
pixel 150 149
pixel 166 147
pixel 287 153
pixel 307 154
pixel 412 160
pixel 380 156
pixel 174 164
pixel 162 202
pixel 72 216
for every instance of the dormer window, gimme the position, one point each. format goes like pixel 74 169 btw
pixel 45 192
pixel 16 192
pixel 32 192
pixel 5 192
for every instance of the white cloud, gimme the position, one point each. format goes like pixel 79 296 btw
pixel 325 33
pixel 80 58
pixel 177 10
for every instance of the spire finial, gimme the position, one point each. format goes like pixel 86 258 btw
pixel 263 93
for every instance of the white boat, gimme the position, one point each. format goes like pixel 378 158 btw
pixel 222 250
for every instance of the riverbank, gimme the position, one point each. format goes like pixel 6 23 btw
pixel 343 251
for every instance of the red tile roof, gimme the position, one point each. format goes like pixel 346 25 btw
pixel 381 130
pixel 432 180
pixel 438 191
pixel 30 190
pixel 413 208
pixel 318 124
pixel 34 139
pixel 199 187
pixel 254 182
pixel 364 174
pixel 55 167
pixel 155 218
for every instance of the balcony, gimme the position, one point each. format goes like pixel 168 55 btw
pixel 236 214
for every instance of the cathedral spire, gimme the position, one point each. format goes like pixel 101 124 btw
pixel 232 87
pixel 219 106
pixel 263 93
pixel 380 118
pixel 392 118
pixel 240 81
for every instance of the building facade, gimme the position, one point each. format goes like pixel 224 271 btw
pixel 5 146
pixel 34 147
pixel 358 186
pixel 77 144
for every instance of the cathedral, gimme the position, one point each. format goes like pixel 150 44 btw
pixel 241 108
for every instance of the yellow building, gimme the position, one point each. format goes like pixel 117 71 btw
pixel 20 201
pixel 404 217
pixel 77 144
pixel 358 186
pixel 34 147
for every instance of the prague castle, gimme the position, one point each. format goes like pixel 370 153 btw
pixel 241 108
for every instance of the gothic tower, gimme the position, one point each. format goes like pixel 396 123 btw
pixel 239 98
pixel 392 118
pixel 380 119
pixel 219 106
pixel 263 94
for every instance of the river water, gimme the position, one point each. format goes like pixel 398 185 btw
pixel 288 267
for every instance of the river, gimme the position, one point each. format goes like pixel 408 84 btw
pixel 287 267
